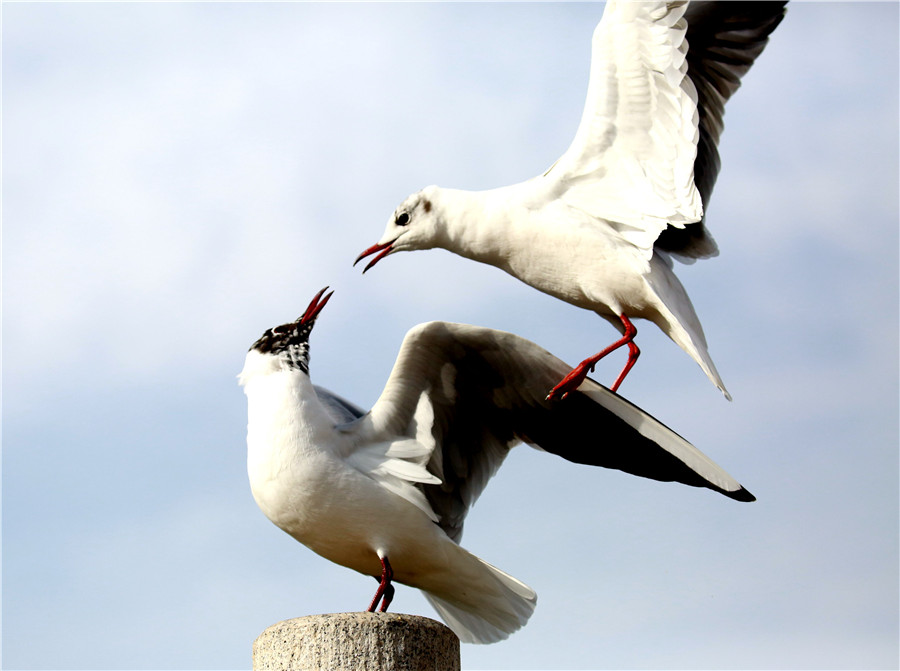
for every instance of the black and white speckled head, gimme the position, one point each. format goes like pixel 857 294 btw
pixel 290 341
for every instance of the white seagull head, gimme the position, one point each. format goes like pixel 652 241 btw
pixel 415 224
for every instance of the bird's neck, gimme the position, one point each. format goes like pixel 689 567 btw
pixel 474 224
pixel 289 436
pixel 285 418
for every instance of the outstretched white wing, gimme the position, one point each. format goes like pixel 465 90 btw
pixel 469 394
pixel 645 156
pixel 632 159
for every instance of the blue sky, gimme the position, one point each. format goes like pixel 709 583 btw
pixel 179 177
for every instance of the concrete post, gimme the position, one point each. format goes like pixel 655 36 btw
pixel 355 641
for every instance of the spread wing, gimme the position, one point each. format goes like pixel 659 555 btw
pixel 724 39
pixel 644 157
pixel 631 162
pixel 469 394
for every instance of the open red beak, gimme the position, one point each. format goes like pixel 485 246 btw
pixel 315 307
pixel 384 248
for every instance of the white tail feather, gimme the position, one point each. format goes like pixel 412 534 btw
pixel 678 320
pixel 499 606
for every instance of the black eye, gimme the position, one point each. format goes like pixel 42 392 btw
pixel 402 219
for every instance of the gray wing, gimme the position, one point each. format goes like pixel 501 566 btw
pixel 724 40
pixel 482 391
pixel 341 409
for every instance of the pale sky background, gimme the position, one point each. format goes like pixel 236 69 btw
pixel 179 177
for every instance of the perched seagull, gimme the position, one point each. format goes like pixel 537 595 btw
pixel 598 228
pixel 385 492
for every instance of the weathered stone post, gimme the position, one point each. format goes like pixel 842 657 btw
pixel 356 641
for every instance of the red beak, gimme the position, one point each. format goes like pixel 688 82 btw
pixel 315 307
pixel 384 248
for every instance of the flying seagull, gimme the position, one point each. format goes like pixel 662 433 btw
pixel 385 492
pixel 600 227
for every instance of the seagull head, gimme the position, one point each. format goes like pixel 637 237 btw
pixel 287 346
pixel 413 225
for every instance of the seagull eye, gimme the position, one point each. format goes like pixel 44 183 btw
pixel 402 219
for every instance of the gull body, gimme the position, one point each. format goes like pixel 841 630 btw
pixel 600 228
pixel 386 492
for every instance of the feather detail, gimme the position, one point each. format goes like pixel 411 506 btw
pixel 632 158
pixel 398 466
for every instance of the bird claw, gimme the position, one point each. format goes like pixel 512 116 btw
pixel 573 380
pixel 568 384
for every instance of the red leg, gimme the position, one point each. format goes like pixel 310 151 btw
pixel 388 597
pixel 385 588
pixel 572 381
pixel 633 353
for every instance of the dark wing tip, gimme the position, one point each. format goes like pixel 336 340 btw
pixel 740 495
